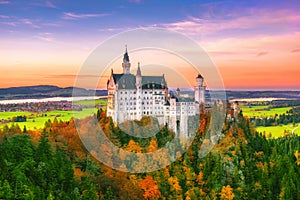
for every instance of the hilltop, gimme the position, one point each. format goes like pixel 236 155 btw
pixel 45 91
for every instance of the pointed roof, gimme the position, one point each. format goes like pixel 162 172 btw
pixel 199 76
pixel 138 72
pixel 126 57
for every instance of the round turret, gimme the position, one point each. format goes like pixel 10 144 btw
pixel 199 80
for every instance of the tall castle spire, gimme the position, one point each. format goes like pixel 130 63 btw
pixel 126 62
pixel 138 72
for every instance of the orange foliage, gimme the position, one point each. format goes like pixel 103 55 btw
pixel 132 146
pixel 174 182
pixel 152 146
pixel 78 172
pixel 200 179
pixel 258 186
pixel 227 193
pixel 150 188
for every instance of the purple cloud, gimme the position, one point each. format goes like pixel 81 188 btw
pixel 3 2
pixel 70 15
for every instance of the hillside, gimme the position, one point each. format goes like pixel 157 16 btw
pixel 54 164
pixel 44 91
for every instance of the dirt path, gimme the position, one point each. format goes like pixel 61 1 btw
pixel 295 129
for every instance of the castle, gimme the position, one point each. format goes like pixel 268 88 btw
pixel 130 97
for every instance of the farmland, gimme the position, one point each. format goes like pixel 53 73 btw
pixel 265 112
pixel 277 131
pixel 37 120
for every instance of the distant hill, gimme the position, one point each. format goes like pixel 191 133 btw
pixel 45 91
pixel 230 94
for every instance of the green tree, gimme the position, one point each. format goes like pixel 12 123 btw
pixel 5 190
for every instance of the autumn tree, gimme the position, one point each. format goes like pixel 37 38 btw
pixel 227 193
pixel 150 188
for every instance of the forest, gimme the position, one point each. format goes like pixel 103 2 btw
pixel 54 164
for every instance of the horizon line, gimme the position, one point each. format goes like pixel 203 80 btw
pixel 213 89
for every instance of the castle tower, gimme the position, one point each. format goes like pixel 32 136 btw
pixel 139 92
pixel 138 77
pixel 178 92
pixel 199 90
pixel 126 63
pixel 236 109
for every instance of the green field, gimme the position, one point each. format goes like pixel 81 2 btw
pixel 277 131
pixel 91 102
pixel 257 111
pixel 37 120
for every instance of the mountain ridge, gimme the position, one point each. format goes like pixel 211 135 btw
pixel 44 91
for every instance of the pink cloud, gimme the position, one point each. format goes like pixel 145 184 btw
pixel 261 53
pixel 4 17
pixel 3 2
pixel 70 15
pixel 49 4
pixel 29 23
pixel 252 20
pixel 295 50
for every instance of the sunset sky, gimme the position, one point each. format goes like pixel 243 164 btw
pixel 255 44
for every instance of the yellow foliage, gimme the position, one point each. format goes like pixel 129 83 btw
pixel 242 163
pixel 200 179
pixel 202 193
pixel 152 146
pixel 227 193
pixel 258 186
pixel 132 146
pixel 174 182
pixel 259 154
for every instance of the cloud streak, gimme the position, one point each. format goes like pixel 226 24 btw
pixel 47 37
pixel 261 53
pixel 258 19
pixel 49 4
pixel 74 16
pixel 295 51
pixel 4 17
pixel 29 22
pixel 3 2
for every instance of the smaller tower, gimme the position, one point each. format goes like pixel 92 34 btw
pixel 178 92
pixel 138 77
pixel 126 63
pixel 236 109
pixel 139 92
pixel 199 80
pixel 200 90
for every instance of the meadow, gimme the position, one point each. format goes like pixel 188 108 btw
pixel 91 102
pixel 263 111
pixel 37 120
pixel 278 131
